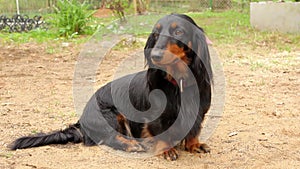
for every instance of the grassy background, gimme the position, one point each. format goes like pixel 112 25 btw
pixel 25 6
pixel 229 27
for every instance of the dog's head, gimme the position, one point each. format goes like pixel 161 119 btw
pixel 177 44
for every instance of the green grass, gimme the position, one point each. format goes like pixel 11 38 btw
pixel 225 27
pixel 232 27
pixel 37 35
pixel 229 27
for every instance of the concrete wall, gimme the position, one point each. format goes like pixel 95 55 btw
pixel 276 16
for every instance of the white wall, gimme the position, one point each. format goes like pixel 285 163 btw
pixel 276 16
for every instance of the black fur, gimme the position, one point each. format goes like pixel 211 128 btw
pixel 104 122
pixel 71 134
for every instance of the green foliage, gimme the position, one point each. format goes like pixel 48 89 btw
pixel 73 18
pixel 228 27
pixel 233 27
pixel 36 35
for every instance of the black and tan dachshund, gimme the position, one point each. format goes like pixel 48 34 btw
pixel 162 106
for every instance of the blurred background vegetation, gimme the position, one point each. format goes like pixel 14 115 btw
pixel 225 21
pixel 70 18
pixel 140 6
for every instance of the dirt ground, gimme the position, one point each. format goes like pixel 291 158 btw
pixel 259 128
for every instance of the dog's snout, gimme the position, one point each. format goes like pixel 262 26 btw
pixel 157 55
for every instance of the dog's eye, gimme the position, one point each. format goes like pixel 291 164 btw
pixel 178 32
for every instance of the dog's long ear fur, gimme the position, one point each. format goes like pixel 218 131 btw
pixel 151 67
pixel 202 60
pixel 147 49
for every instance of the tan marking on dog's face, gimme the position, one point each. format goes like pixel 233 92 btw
pixel 175 62
pixel 176 50
pixel 171 54
pixel 174 25
pixel 158 26
pixel 177 71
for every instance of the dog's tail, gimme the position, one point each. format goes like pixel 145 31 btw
pixel 70 134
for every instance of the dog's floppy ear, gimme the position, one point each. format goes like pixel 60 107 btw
pixel 202 59
pixel 147 49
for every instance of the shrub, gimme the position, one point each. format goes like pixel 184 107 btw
pixel 73 17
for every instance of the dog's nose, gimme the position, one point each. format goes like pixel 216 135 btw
pixel 157 55
pixel 156 58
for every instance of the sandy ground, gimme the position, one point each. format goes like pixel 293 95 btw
pixel 259 128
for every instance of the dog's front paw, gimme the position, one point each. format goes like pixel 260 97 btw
pixel 128 145
pixel 165 150
pixel 198 148
pixel 170 154
pixel 135 146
